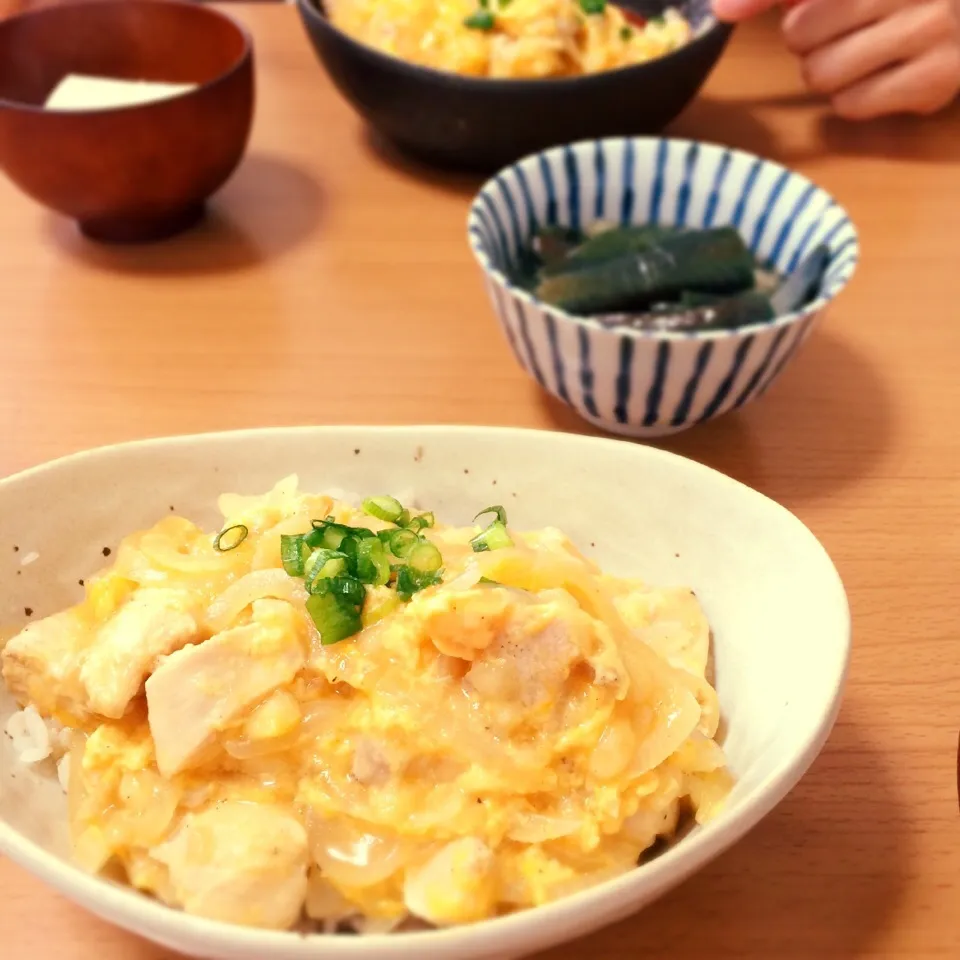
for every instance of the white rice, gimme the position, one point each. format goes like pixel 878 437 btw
pixel 29 558
pixel 34 740
pixel 30 735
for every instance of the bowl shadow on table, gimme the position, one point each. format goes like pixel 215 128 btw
pixel 818 877
pixel 824 425
pixel 269 207
pixel 722 121
pixel 726 122
pixel 389 155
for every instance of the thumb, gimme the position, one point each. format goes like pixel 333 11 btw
pixel 734 10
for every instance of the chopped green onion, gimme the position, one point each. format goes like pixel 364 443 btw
pixel 626 33
pixel 349 588
pixel 410 582
pixel 336 611
pixel 422 522
pixel 321 566
pixel 388 509
pixel 338 562
pixel 498 510
pixel 660 21
pixel 481 20
pixel 493 583
pixel 372 564
pixel 593 6
pixel 424 558
pixel 495 537
pixel 328 534
pixel 293 553
pixel 349 547
pixel 402 542
pixel 231 538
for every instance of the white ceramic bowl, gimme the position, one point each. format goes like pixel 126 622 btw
pixel 645 384
pixel 773 597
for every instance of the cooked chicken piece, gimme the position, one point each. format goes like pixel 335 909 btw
pixel 239 862
pixel 203 688
pixel 457 885
pixel 41 664
pixel 371 766
pixel 129 645
pixel 527 665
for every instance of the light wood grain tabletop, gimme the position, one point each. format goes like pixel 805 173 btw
pixel 332 284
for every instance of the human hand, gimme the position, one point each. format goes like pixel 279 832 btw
pixel 870 57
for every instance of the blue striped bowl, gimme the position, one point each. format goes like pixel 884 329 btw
pixel 645 384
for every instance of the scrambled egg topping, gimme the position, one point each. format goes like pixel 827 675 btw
pixel 521 729
pixel 519 39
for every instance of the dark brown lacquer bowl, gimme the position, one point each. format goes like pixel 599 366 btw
pixel 130 174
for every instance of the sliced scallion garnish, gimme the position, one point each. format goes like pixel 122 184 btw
pixel 402 542
pixel 230 538
pixel 328 534
pixel 388 509
pixel 293 553
pixel 338 563
pixel 424 558
pixel 323 565
pixel 497 509
pixel 410 582
pixel 373 567
pixel 481 20
pixel 495 537
pixel 336 610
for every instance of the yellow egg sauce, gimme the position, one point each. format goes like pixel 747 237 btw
pixel 515 727
pixel 510 39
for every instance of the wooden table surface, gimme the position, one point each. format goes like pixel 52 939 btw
pixel 333 284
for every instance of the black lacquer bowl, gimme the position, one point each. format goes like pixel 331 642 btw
pixel 482 124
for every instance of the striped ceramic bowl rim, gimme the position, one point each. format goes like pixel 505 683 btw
pixel 503 215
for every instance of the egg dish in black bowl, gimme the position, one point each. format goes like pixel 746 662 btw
pixel 476 84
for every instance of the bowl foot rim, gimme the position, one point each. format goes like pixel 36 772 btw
pixel 636 431
pixel 139 228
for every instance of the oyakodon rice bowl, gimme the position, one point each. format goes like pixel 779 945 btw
pixel 555 714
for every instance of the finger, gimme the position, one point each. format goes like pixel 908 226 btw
pixel 924 85
pixel 903 36
pixel 733 11
pixel 813 23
